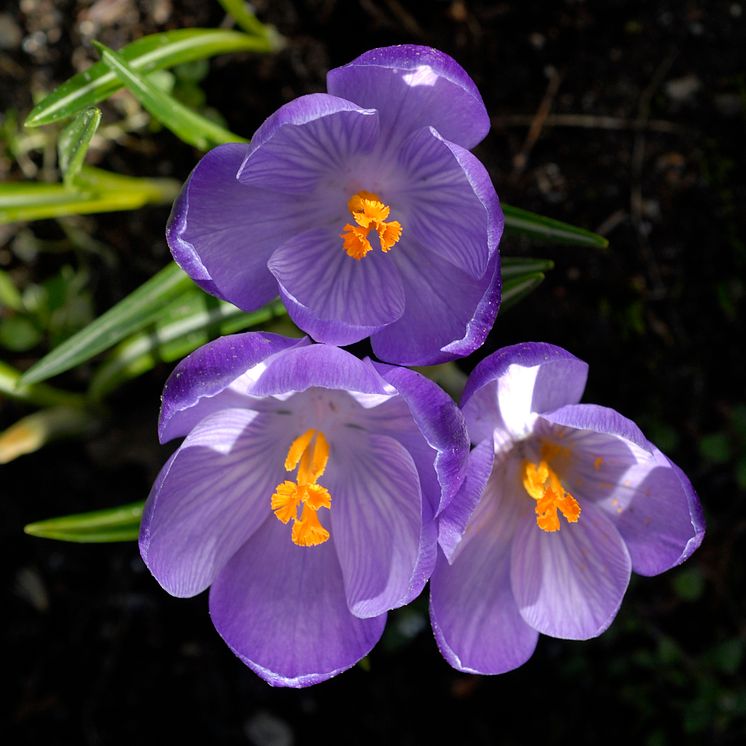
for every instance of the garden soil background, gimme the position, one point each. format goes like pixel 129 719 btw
pixel 624 117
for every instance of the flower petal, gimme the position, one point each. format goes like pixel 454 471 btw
pixel 376 519
pixel 441 424
pixel 303 141
pixel 201 383
pixel 474 615
pixel 414 86
pixel 221 233
pixel 570 583
pixel 508 386
pixel 649 499
pixel 210 497
pixel 314 270
pixel 455 517
pixel 450 203
pixel 451 311
pixel 281 608
pixel 321 366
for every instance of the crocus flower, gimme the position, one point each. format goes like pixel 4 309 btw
pixel 303 494
pixel 362 207
pixel 561 501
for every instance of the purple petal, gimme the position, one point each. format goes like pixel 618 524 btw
pixel 570 583
pixel 376 519
pixel 318 365
pixel 514 382
pixel 412 87
pixel 313 269
pixel 451 311
pixel 439 421
pixel 450 203
pixel 222 233
pixel 455 517
pixel 199 385
pixel 282 610
pixel 334 331
pixel 475 618
pixel 649 499
pixel 307 139
pixel 210 497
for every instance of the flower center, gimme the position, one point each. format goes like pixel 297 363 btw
pixel 541 483
pixel 309 453
pixel 370 215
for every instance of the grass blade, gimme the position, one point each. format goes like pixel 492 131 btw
pixel 542 228
pixel 36 430
pixel 98 526
pixel 96 191
pixel 154 52
pixel 515 290
pixel 136 311
pixel 186 124
pixel 187 323
pixel 74 141
pixel 243 16
pixel 37 393
pixel 515 266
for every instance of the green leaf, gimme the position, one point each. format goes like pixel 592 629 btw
pixel 689 583
pixel 98 526
pixel 187 323
pixel 38 393
pixel 9 295
pixel 186 124
pixel 154 52
pixel 243 16
pixel 515 290
pixel 546 229
pixel 96 191
pixel 19 333
pixel 131 314
pixel 33 432
pixel 715 448
pixel 515 266
pixel 74 141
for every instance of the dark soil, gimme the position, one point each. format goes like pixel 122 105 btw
pixel 646 106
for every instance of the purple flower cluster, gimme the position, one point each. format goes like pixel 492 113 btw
pixel 314 491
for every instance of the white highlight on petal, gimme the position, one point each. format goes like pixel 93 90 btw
pixel 515 393
pixel 423 75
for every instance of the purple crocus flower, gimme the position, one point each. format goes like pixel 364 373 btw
pixel 362 207
pixel 303 494
pixel 561 501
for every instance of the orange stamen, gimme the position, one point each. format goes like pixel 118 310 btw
pixel 543 485
pixel 370 215
pixel 309 453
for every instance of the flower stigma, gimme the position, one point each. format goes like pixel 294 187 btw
pixel 309 453
pixel 543 485
pixel 370 214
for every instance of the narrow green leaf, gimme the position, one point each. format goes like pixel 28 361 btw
pixel 546 229
pixel 186 124
pixel 242 15
pixel 98 526
pixel 74 141
pixel 9 295
pixel 96 191
pixel 37 393
pixel 154 52
pixel 131 314
pixel 186 324
pixel 516 290
pixel 515 266
pixel 36 430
